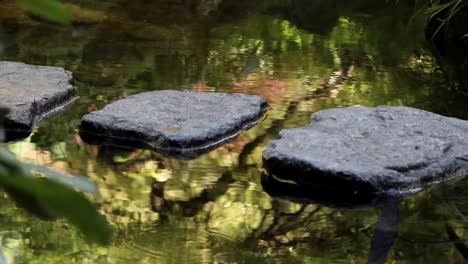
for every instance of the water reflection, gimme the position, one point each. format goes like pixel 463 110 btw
pixel 315 191
pixel 386 232
pixel 386 228
pixel 214 209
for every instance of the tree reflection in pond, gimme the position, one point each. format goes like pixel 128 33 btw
pixel 214 209
pixel 386 232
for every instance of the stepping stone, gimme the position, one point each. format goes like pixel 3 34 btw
pixel 180 124
pixel 32 93
pixel 357 152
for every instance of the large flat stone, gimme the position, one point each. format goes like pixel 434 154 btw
pixel 32 93
pixel 177 123
pixel 358 151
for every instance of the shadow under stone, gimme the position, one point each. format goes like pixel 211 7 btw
pixel 330 194
pixel 134 143
pixel 386 228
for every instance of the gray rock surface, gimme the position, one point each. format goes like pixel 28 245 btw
pixel 32 92
pixel 359 150
pixel 173 122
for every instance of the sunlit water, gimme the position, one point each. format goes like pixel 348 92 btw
pixel 300 56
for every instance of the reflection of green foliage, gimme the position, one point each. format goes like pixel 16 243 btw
pixel 52 195
pixel 423 224
pixel 56 199
pixel 48 197
pixel 51 199
pixel 213 209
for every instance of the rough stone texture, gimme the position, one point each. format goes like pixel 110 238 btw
pixel 173 122
pixel 32 92
pixel 361 150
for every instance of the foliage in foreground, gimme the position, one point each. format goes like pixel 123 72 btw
pixel 52 10
pixel 51 195
pixel 48 197
pixel 447 31
pixel 450 16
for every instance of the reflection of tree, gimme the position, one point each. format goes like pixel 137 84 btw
pixel 386 232
pixel 300 12
pixel 213 208
pixel 267 227
pixel 457 241
pixel 190 206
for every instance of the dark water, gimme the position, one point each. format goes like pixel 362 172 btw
pixel 302 56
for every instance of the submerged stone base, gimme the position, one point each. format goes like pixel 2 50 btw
pixel 176 123
pixel 364 150
pixel 32 93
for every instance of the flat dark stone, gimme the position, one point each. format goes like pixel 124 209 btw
pixel 32 93
pixel 176 123
pixel 362 151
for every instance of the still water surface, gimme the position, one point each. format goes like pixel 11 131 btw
pixel 302 57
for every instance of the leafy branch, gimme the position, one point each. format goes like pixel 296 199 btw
pixel 52 10
pixel 53 195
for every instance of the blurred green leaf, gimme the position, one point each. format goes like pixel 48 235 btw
pixel 51 199
pixel 80 183
pixel 66 202
pixel 62 201
pixel 49 9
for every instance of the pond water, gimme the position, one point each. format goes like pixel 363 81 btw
pixel 302 57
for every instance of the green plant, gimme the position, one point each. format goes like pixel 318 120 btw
pixel 49 9
pixel 53 195
pixel 50 195
pixel 446 12
pixel 41 191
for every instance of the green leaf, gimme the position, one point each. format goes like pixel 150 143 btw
pixel 79 183
pixel 49 198
pixel 49 9
pixel 66 202
pixel 60 201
